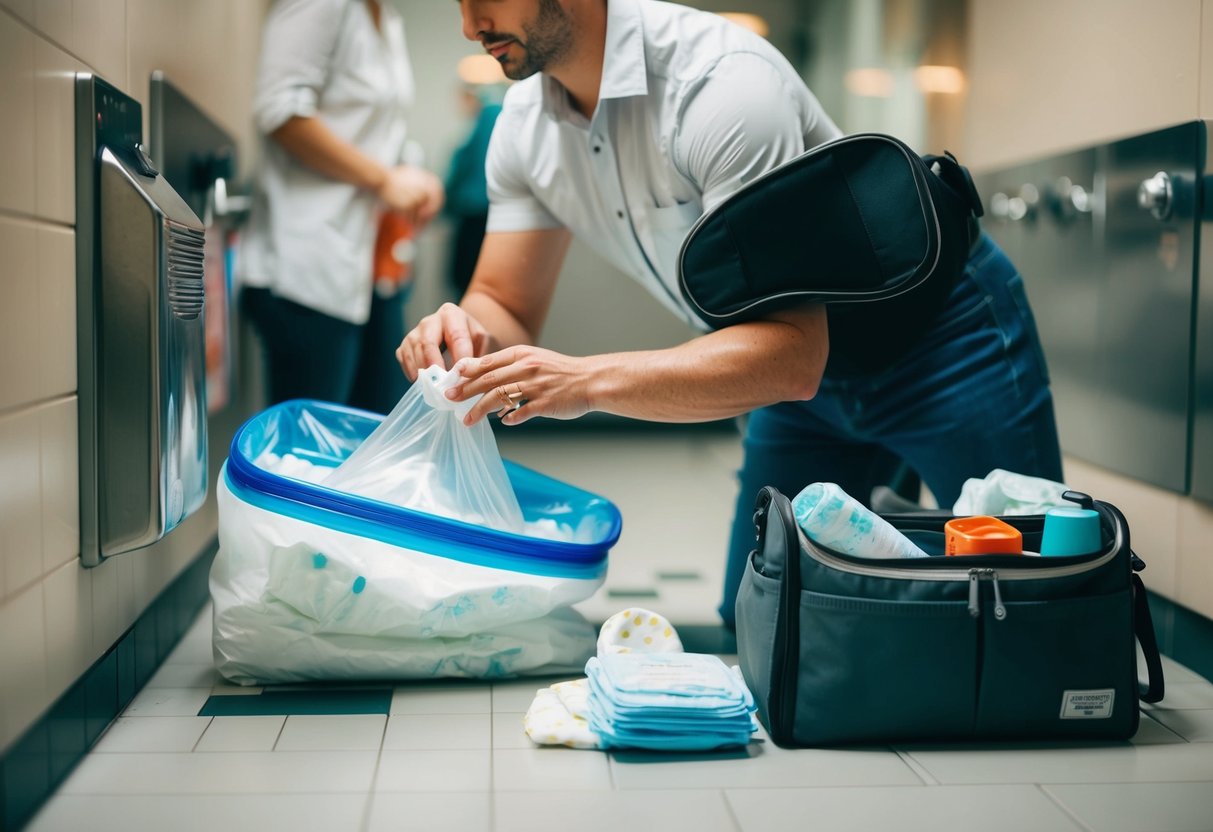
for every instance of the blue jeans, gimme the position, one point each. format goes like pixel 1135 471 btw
pixel 970 396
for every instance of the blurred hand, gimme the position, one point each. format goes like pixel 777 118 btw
pixel 450 327
pixel 412 191
pixel 435 196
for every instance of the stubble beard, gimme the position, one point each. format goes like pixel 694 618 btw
pixel 548 41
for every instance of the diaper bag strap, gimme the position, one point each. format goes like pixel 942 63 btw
pixel 1154 688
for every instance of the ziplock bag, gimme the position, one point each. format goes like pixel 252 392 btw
pixel 312 582
pixel 423 457
pixel 845 649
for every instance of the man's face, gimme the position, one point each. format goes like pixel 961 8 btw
pixel 525 36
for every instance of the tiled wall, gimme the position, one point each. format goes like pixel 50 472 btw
pixel 56 618
pixel 1046 77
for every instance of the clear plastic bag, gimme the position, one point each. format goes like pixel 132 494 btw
pixel 423 457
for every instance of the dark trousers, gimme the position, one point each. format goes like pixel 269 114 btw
pixel 310 355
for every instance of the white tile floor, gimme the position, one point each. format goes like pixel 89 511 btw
pixel 453 756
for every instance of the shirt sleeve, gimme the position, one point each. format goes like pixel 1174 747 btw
pixel 744 118
pixel 512 204
pixel 298 41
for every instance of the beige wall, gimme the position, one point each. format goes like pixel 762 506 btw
pixel 1046 77
pixel 56 618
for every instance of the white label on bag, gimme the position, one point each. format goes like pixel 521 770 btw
pixel 1087 704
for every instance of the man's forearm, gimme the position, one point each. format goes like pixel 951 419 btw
pixel 716 376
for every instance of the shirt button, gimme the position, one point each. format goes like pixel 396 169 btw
pixel 619 214
pixel 597 149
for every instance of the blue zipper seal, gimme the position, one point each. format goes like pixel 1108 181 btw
pixel 418 531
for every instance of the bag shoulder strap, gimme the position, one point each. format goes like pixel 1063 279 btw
pixel 958 179
pixel 1143 624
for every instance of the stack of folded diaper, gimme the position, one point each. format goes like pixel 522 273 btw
pixel 644 692
pixel 668 701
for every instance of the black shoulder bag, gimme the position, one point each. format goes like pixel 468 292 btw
pixel 855 221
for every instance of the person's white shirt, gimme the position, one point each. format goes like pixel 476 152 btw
pixel 691 108
pixel 311 238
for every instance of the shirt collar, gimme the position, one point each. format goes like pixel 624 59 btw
pixel 623 66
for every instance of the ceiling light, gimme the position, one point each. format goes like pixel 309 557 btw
pixel 753 22
pixel 943 79
pixel 869 82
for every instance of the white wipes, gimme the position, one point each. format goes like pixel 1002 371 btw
pixel 1007 493
pixel 831 517
pixel 423 457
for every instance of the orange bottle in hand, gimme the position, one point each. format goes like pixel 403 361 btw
pixel 394 253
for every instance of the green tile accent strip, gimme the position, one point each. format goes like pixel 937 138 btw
pixel 42 758
pixel 1183 635
pixel 294 702
pixel 676 575
pixel 622 592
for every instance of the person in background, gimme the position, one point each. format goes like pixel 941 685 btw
pixel 467 194
pixel 632 118
pixel 333 88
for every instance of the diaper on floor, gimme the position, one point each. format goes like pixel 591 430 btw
pixel 560 713
pixel 643 691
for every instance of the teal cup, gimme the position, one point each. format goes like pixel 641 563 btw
pixel 1071 531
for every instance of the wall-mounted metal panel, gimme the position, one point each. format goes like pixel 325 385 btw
pixel 1202 428
pixel 142 400
pixel 1146 320
pixel 1110 276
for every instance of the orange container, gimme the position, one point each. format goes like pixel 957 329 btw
pixel 981 535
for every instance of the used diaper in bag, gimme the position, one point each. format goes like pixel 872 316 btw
pixel 314 582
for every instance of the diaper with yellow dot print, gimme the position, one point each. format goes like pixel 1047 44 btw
pixel 638 630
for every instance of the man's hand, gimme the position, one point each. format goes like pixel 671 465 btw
pixel 524 382
pixel 450 327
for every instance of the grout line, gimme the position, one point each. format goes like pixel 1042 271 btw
pixel 1165 727
pixel 281 730
pixel 370 798
pixel 210 721
pixel 918 768
pixel 728 807
pixel 1056 801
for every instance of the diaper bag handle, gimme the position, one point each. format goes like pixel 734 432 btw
pixel 1143 624
pixel 1154 688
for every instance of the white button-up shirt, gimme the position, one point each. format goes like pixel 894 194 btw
pixel 690 109
pixel 311 238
